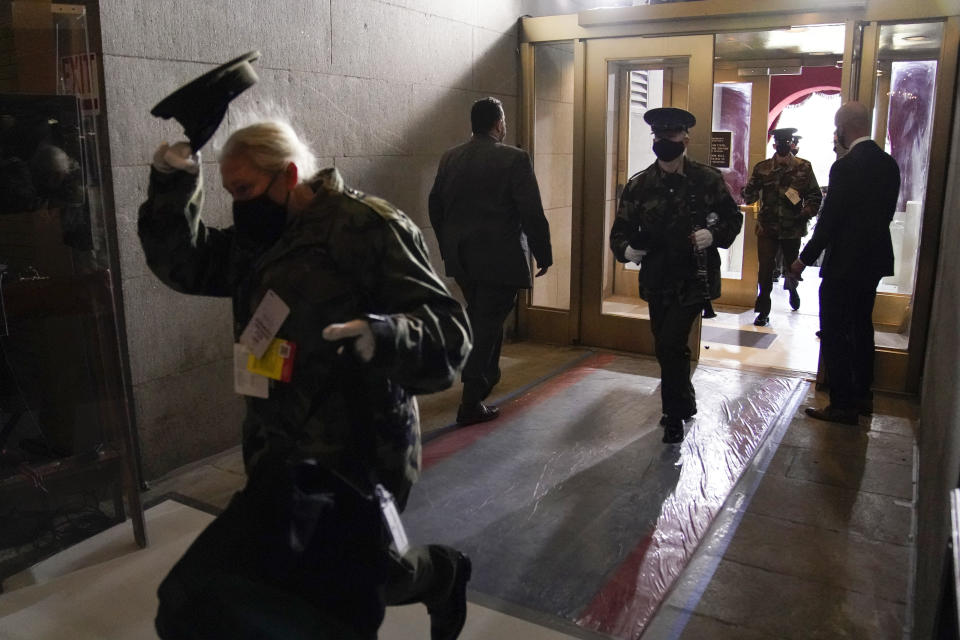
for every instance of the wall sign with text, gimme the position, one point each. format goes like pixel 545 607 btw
pixel 721 142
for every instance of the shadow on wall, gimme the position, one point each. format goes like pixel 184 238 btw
pixel 387 138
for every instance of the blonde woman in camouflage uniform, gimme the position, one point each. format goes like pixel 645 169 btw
pixel 373 325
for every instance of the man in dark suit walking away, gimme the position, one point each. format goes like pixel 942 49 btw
pixel 485 208
pixel 854 230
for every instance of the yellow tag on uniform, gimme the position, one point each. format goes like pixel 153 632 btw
pixel 276 362
pixel 792 195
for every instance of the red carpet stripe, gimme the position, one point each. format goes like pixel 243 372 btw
pixel 441 448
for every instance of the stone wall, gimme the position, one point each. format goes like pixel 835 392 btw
pixel 380 88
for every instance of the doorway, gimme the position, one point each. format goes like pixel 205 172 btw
pixel 764 80
pixel 740 75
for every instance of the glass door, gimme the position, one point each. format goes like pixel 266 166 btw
pixel 624 78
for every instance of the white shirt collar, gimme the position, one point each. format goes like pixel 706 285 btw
pixel 857 141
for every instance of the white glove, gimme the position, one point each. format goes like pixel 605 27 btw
pixel 702 238
pixel 634 255
pixel 365 344
pixel 167 159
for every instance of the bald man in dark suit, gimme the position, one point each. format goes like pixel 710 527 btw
pixel 854 232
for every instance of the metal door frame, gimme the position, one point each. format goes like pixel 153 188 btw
pixel 898 370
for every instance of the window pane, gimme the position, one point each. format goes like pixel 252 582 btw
pixel 553 163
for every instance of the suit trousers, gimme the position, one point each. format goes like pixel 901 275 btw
pixel 766 259
pixel 846 339
pixel 671 323
pixel 488 306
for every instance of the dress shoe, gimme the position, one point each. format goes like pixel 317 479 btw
pixel 794 299
pixel 762 320
pixel 478 413
pixel 447 619
pixel 672 429
pixel 829 414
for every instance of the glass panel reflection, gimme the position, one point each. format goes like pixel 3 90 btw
pixel 732 103
pixel 908 136
pixel 903 124
pixel 553 163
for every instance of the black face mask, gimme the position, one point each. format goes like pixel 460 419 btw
pixel 260 219
pixel 667 150
pixel 783 148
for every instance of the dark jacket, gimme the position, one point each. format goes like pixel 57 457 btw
pixel 658 212
pixel 854 223
pixel 485 207
pixel 345 256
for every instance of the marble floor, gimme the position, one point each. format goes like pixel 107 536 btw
pixel 813 541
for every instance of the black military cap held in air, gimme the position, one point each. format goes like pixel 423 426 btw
pixel 669 119
pixel 201 104
pixel 787 133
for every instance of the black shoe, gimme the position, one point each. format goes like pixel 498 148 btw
pixel 830 414
pixel 762 320
pixel 447 619
pixel 672 429
pixel 794 299
pixel 479 413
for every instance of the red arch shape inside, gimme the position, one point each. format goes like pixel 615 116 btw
pixel 795 97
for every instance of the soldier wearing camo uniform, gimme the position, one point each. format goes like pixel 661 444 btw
pixel 669 213
pixel 372 324
pixel 789 197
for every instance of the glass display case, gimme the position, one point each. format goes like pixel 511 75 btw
pixel 67 450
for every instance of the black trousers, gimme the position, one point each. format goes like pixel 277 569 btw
pixel 671 323
pixel 299 554
pixel 846 339
pixel 766 259
pixel 488 306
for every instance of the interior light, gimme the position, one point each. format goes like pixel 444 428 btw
pixel 915 38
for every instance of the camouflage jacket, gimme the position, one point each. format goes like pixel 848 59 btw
pixel 348 255
pixel 658 212
pixel 770 183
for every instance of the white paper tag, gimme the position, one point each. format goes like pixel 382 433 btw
pixel 264 324
pixel 792 195
pixel 392 519
pixel 245 382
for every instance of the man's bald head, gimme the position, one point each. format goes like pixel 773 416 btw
pixel 853 120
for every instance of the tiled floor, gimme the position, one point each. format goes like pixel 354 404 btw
pixel 813 543
pixel 822 547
